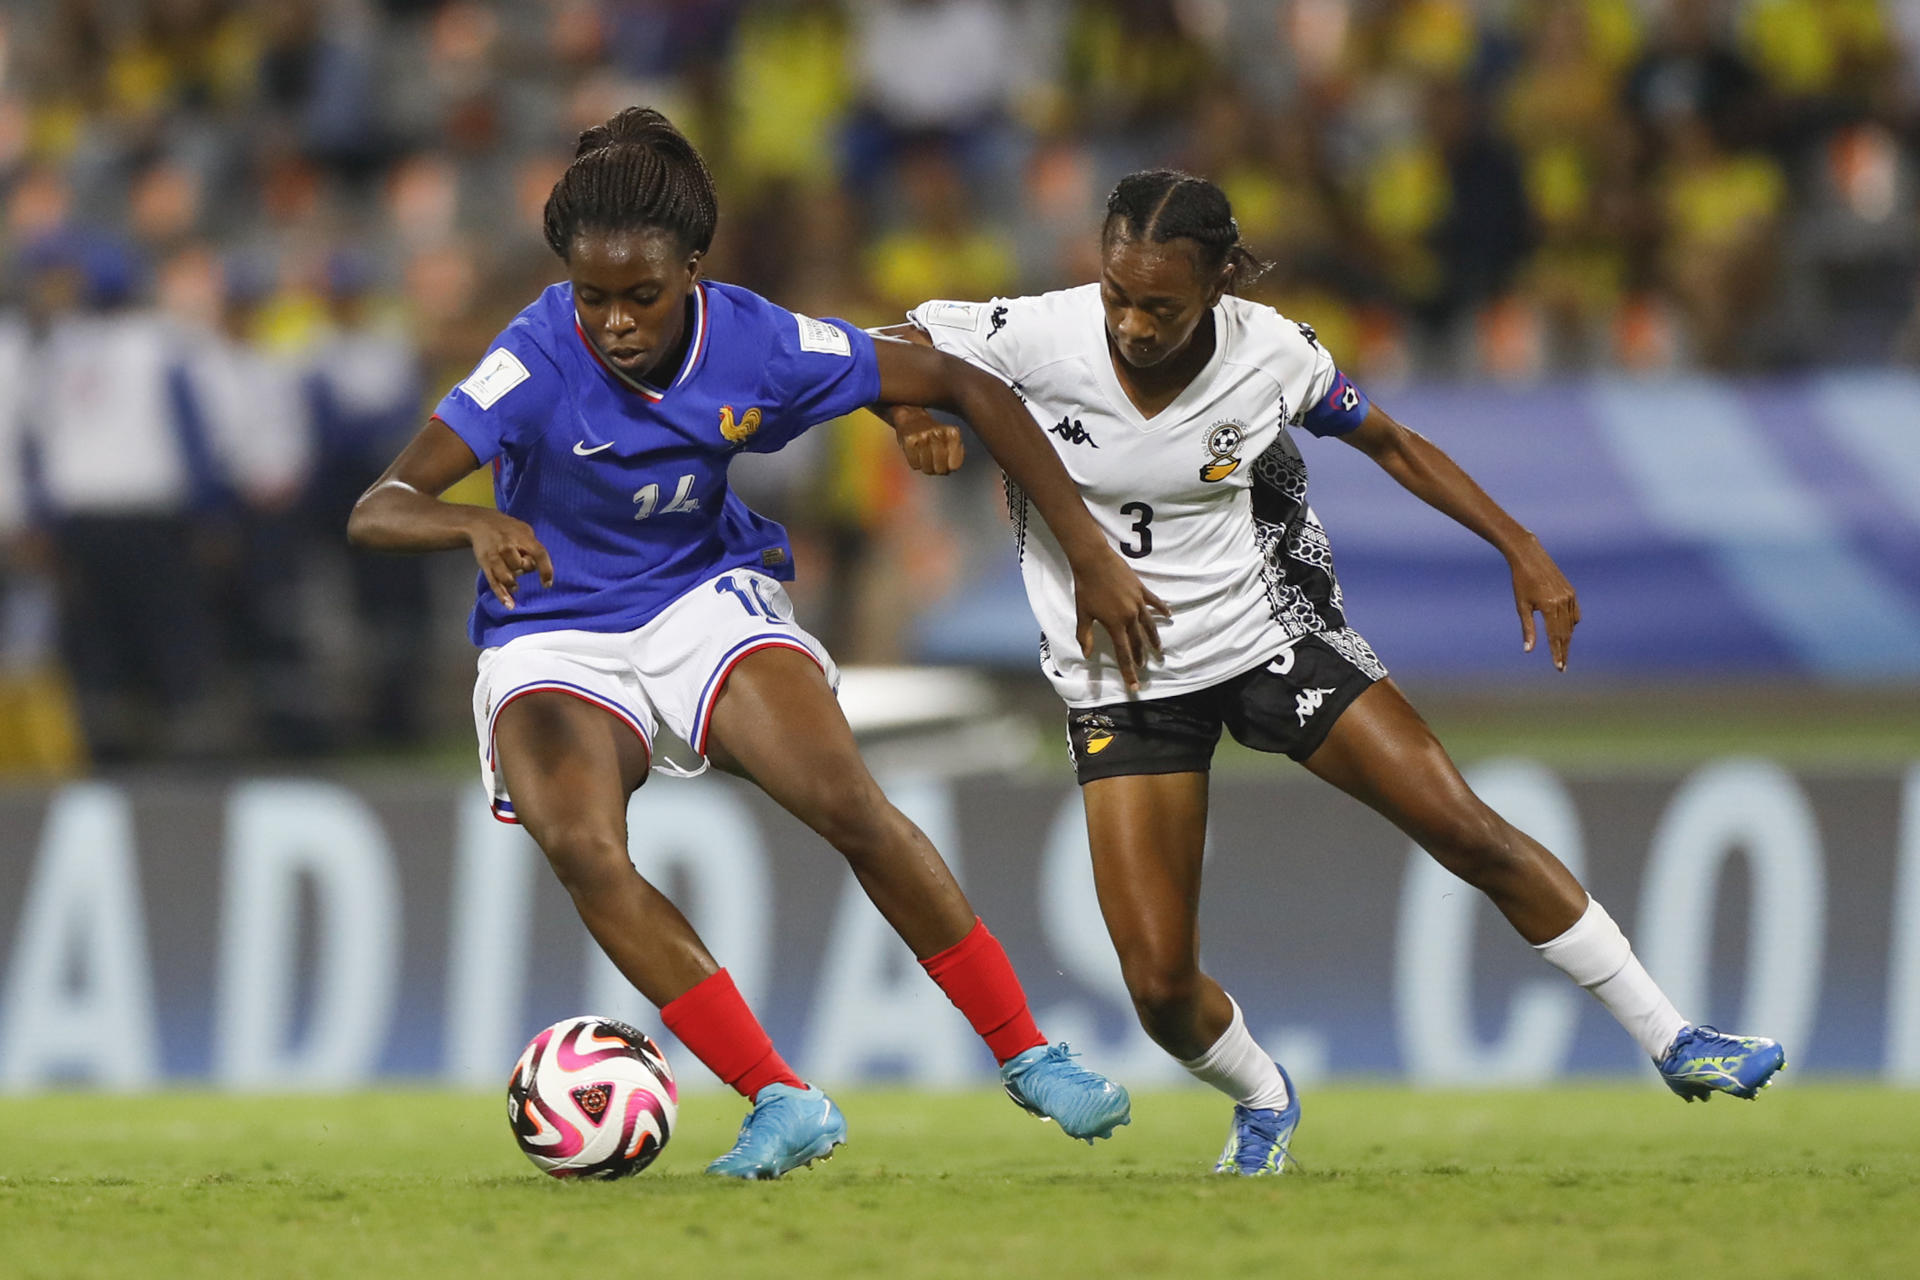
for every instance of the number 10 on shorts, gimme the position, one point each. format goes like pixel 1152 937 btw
pixel 752 597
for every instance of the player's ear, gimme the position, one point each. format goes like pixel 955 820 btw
pixel 1222 282
pixel 694 260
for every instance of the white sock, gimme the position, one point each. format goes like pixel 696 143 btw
pixel 1595 954
pixel 1237 1066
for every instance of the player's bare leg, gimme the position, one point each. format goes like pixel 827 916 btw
pixel 570 767
pixel 1382 753
pixel 777 723
pixel 1148 835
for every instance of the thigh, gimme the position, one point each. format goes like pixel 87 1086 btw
pixel 1147 834
pixel 696 650
pixel 1383 754
pixel 541 698
pixel 775 721
pixel 567 764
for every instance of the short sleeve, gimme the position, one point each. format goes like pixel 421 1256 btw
pixel 505 402
pixel 966 330
pixel 817 370
pixel 1327 403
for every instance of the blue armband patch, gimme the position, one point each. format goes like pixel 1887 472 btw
pixel 1343 408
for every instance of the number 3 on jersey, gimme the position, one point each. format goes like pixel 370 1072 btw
pixel 1142 532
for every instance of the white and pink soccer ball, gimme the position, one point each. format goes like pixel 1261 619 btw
pixel 592 1098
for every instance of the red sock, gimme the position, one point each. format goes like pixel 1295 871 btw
pixel 715 1024
pixel 979 979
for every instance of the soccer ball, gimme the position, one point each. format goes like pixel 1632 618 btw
pixel 592 1098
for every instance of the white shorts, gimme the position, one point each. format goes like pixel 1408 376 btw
pixel 660 680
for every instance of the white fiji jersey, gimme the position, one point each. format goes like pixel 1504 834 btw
pixel 1207 499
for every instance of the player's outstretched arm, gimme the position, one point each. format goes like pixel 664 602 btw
pixel 402 511
pixel 1424 470
pixel 1106 590
pixel 931 447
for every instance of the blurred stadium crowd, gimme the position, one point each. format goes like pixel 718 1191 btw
pixel 246 244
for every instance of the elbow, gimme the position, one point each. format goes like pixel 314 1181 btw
pixel 360 527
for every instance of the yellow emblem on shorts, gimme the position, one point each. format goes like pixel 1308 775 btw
pixel 738 432
pixel 1098 741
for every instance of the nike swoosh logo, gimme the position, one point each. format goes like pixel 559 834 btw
pixel 585 452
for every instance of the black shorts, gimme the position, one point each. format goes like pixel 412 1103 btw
pixel 1286 705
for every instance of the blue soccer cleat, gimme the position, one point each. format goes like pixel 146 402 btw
pixel 1048 1083
pixel 787 1129
pixel 1257 1143
pixel 1703 1062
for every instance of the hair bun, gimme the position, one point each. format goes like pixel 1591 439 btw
pixel 635 126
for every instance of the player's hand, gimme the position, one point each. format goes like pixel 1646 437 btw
pixel 932 447
pixel 1540 587
pixel 1107 591
pixel 506 548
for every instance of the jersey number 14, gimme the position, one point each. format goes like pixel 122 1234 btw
pixel 648 497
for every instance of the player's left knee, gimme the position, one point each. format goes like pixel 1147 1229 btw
pixel 855 818
pixel 1477 845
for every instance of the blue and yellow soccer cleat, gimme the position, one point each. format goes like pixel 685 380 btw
pixel 1703 1062
pixel 787 1129
pixel 1047 1083
pixel 1257 1143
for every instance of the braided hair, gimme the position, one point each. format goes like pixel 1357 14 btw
pixel 635 172
pixel 1164 204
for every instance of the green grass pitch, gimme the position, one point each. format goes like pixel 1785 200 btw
pixel 1815 1181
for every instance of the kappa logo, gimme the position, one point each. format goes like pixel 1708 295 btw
pixel 998 320
pixel 738 432
pixel 1070 430
pixel 1223 442
pixel 1308 701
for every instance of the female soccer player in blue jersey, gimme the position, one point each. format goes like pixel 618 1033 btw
pixel 631 617
pixel 1173 400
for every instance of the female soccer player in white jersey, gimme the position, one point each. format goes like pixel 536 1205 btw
pixel 630 612
pixel 1169 400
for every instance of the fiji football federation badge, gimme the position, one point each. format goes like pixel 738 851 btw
pixel 1094 731
pixel 738 432
pixel 1223 442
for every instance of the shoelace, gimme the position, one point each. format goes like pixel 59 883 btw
pixel 1270 1134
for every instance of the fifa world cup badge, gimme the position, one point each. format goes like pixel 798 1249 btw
pixel 1223 442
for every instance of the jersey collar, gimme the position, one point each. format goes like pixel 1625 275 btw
pixel 1190 397
pixel 696 348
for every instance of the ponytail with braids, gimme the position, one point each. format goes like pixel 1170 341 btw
pixel 1164 204
pixel 635 172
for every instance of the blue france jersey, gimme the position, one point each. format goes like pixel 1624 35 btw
pixel 625 483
